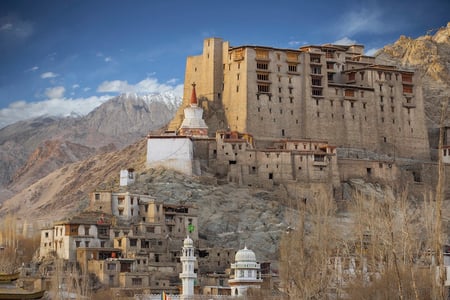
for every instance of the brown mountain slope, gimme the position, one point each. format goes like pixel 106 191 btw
pixel 99 130
pixel 429 54
pixel 65 190
pixel 46 158
pixel 228 215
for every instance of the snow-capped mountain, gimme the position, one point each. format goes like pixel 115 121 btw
pixel 116 123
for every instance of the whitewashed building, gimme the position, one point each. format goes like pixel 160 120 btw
pixel 176 150
pixel 247 273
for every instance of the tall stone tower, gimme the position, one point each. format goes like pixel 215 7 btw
pixel 188 276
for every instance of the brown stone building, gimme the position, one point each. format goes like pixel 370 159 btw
pixel 331 92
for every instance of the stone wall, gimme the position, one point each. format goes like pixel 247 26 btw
pixel 319 92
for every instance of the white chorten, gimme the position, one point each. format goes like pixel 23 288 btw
pixel 193 123
pixel 188 276
pixel 247 272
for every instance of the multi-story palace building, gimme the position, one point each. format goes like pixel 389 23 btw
pixel 330 92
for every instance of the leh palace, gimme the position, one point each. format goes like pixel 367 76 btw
pixel 256 116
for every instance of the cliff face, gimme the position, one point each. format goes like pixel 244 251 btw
pixel 429 54
pixel 46 158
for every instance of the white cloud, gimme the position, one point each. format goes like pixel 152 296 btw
pixel 172 81
pixel 108 59
pixel 146 86
pixel 12 26
pixel 364 20
pixel 75 86
pixel 345 41
pixel 21 110
pixel 86 89
pixel 7 26
pixel 55 92
pixel 32 69
pixel 372 51
pixel 49 75
pixel 296 43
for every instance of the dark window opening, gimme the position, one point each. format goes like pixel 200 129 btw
pixel 416 176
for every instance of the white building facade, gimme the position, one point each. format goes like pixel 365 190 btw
pixel 171 151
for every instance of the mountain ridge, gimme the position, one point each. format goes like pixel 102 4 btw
pixel 430 56
pixel 98 130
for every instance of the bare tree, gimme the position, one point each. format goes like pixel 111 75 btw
pixel 305 250
pixel 438 247
pixel 395 238
pixel 383 250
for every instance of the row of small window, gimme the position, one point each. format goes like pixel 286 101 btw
pixel 364 106
pixel 318 114
pixel 144 243
pixel 387 76
pixel 139 282
pixel 246 273
pixel 121 200
pixel 265 88
pixel 270 111
pixel 292 68
pixel 291 99
pixel 275 120
pixel 296 147
pixel 263 54
pixel 78 244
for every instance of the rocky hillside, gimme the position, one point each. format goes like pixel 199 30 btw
pixel 36 147
pixel 229 215
pixel 430 54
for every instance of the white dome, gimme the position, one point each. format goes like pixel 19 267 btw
pixel 188 242
pixel 246 255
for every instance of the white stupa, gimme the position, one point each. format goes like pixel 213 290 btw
pixel 247 272
pixel 193 123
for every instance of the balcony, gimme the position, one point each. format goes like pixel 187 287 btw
pixel 320 164
pixel 349 95
pixel 315 59
pixel 330 67
pixel 407 78
pixel 409 105
pixel 330 56
pixel 292 58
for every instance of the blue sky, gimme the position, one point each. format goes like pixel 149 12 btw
pixel 72 55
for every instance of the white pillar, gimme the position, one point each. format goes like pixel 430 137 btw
pixel 188 263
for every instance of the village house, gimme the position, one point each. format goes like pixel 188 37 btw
pixel 87 230
pixel 132 242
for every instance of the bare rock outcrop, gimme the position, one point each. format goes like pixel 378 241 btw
pixel 229 215
pixel 429 54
